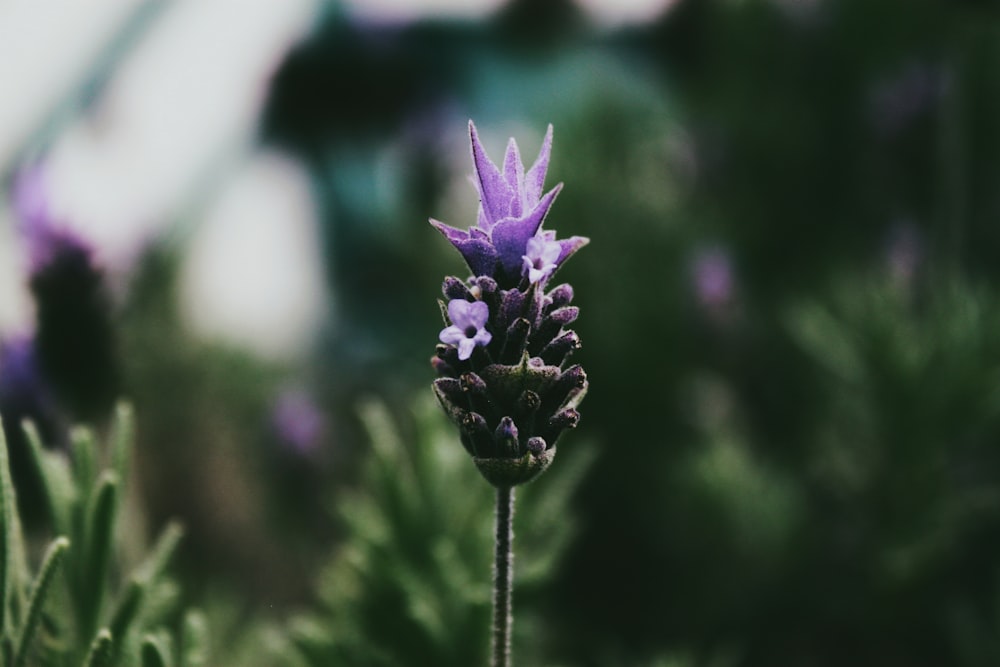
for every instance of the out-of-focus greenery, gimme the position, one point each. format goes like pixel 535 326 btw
pixel 79 608
pixel 796 463
pixel 799 470
pixel 410 585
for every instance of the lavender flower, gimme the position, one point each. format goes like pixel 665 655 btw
pixel 502 361
pixel 512 209
pixel 24 393
pixel 712 274
pixel 298 421
pixel 468 326
pixel 542 257
pixel 74 336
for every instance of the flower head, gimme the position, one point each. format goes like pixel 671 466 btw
pixel 512 209
pixel 467 330
pixel 74 337
pixel 512 401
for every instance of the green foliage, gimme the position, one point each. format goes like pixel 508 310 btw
pixel 410 583
pixel 88 616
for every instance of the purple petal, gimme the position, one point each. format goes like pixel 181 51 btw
pixel 537 275
pixel 450 233
pixel 513 172
pixel 460 314
pixel 480 255
pixel 534 181
pixel 451 335
pixel 481 220
pixel 478 312
pixel 31 199
pixel 570 246
pixel 477 252
pixel 510 237
pixel 465 347
pixel 493 190
pixel 551 252
pixel 482 337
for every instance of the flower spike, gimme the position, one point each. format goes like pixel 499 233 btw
pixel 513 399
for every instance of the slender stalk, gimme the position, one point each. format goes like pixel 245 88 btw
pixel 503 569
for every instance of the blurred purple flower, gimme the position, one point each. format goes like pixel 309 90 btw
pixel 512 209
pixel 467 330
pixel 74 336
pixel 48 238
pixel 712 277
pixel 298 421
pixel 21 384
pixel 24 392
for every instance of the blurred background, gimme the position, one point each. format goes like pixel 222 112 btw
pixel 790 310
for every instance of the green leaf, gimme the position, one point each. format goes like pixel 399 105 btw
pixel 53 557
pixel 158 559
pixel 57 481
pixel 6 491
pixel 152 653
pixel 97 556
pixel 125 614
pixel 11 546
pixel 122 437
pixel 84 456
pixel 101 650
pixel 195 646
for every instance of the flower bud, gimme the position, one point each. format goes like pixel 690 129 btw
pixel 506 438
pixel 561 296
pixel 556 352
pixel 511 308
pixel 568 390
pixel 476 433
pixel 453 288
pixel 568 418
pixel 517 336
pixel 536 446
pixel 550 327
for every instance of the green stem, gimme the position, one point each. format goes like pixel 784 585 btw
pixel 502 577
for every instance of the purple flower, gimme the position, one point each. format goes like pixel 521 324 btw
pixel 712 274
pixel 512 209
pixel 48 238
pixel 25 393
pixel 467 330
pixel 541 256
pixel 74 336
pixel 298 421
